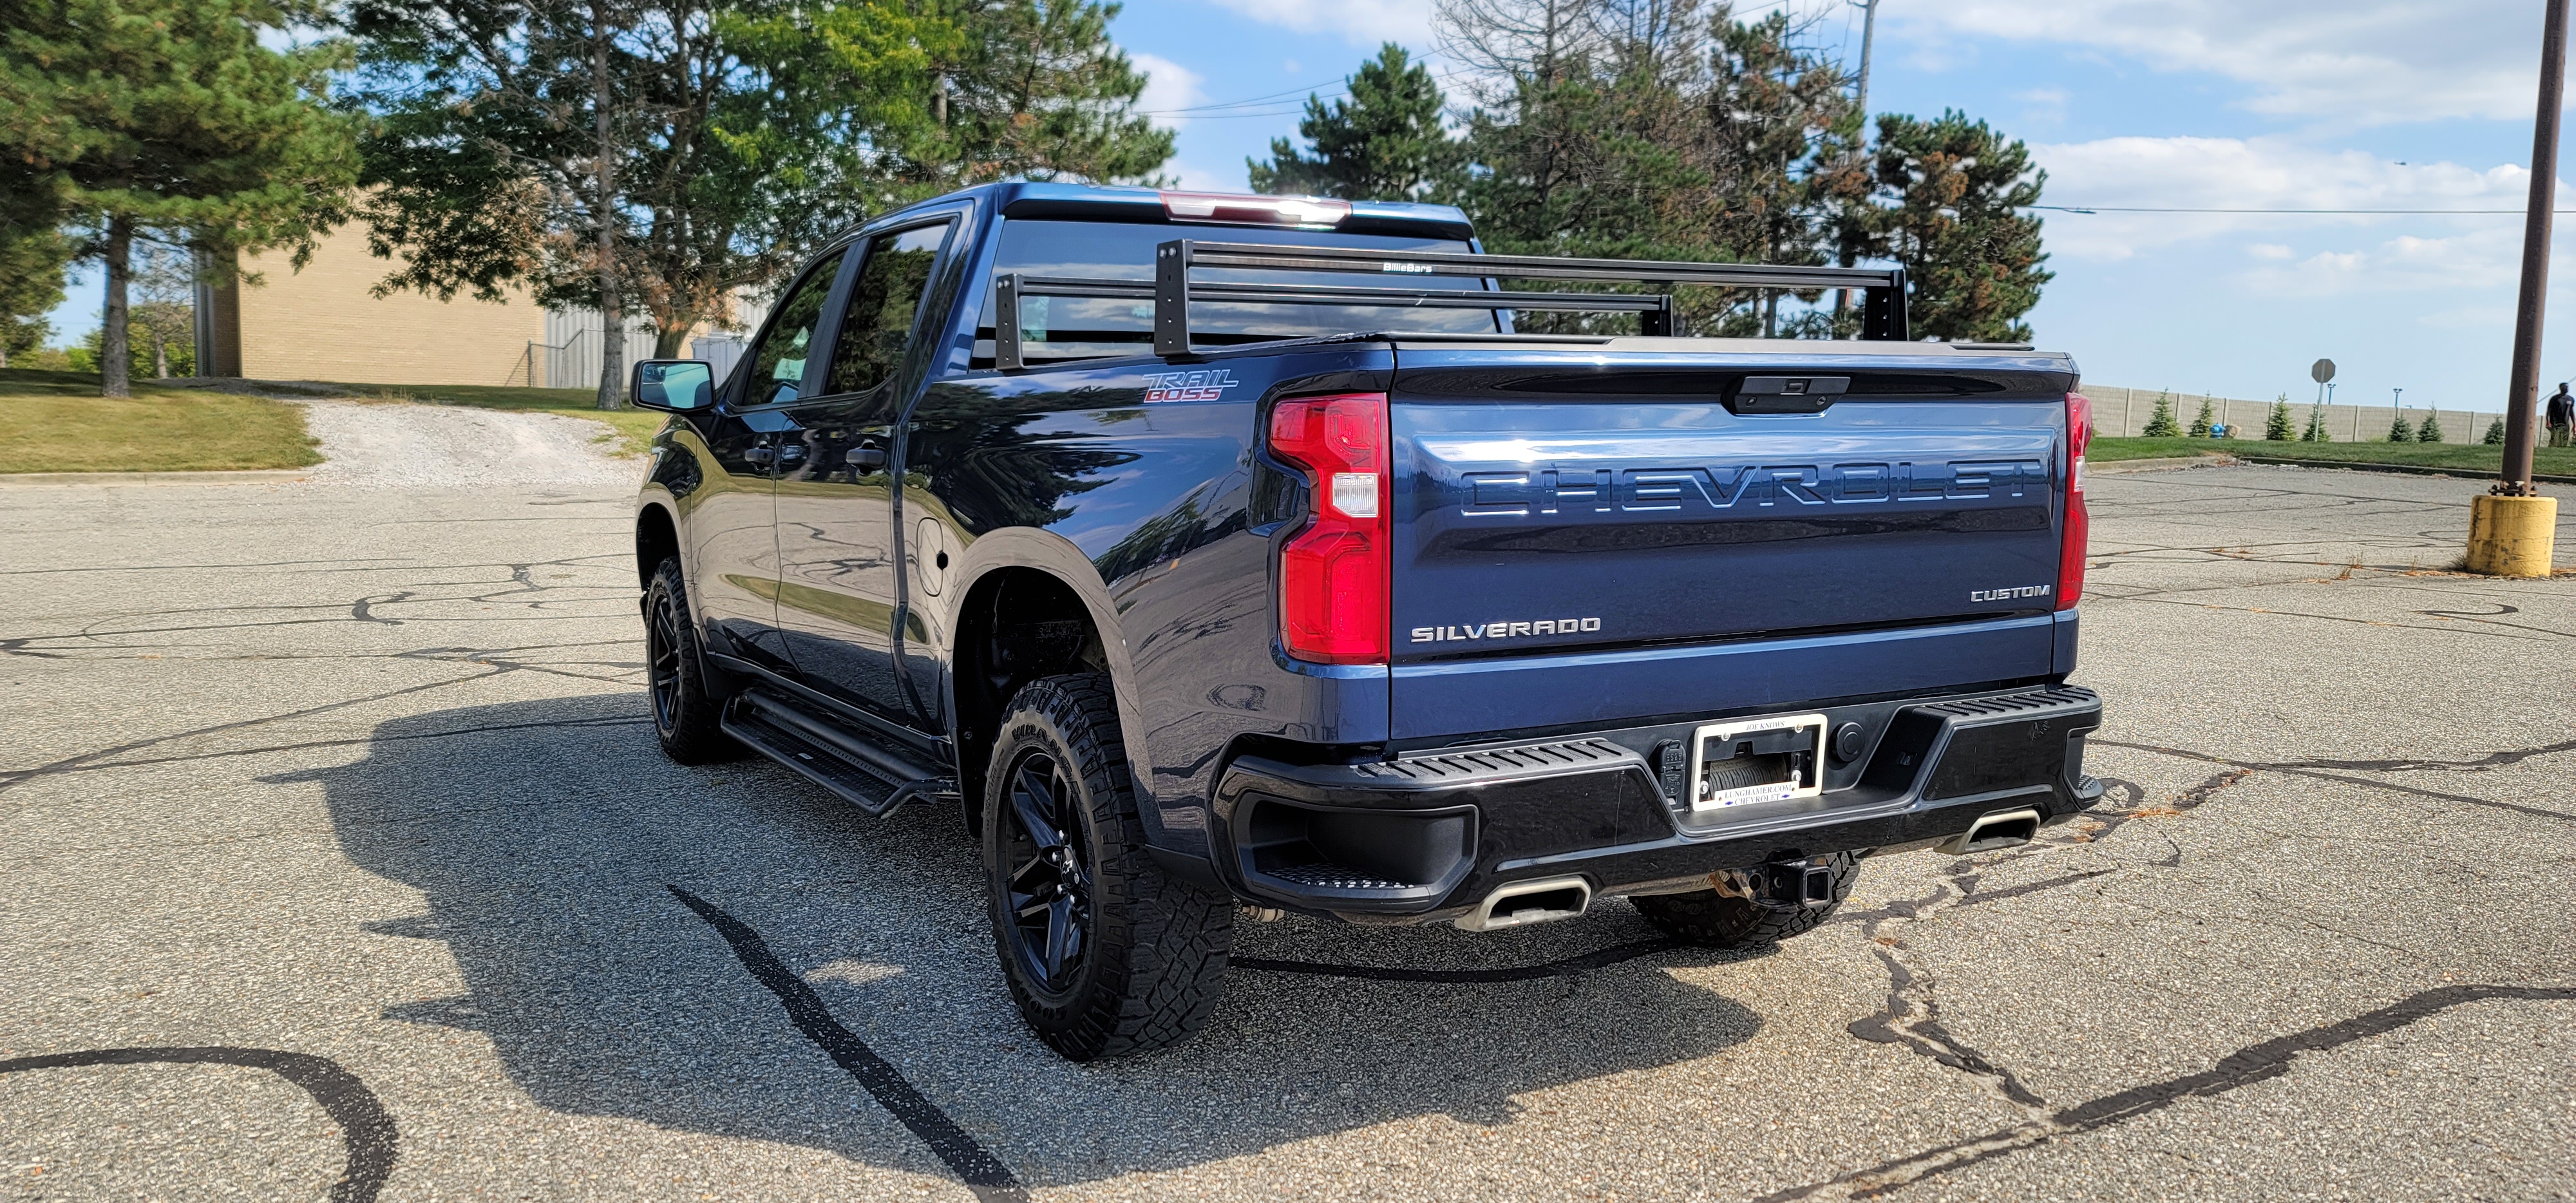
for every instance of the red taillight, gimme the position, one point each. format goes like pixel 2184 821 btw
pixel 1333 574
pixel 2071 548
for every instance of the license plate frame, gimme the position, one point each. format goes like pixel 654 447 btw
pixel 1799 739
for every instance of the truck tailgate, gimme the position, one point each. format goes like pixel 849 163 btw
pixel 1573 501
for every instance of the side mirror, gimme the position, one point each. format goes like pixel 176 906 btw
pixel 675 385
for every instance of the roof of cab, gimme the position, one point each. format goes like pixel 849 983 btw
pixel 1030 198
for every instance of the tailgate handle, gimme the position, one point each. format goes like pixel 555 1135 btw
pixel 1786 394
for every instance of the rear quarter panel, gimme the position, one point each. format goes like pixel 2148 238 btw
pixel 1148 509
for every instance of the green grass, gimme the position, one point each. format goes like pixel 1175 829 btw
pixel 57 422
pixel 629 430
pixel 2467 459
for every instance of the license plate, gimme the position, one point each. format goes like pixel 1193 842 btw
pixel 1745 761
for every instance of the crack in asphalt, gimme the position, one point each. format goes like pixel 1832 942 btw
pixel 1911 1017
pixel 982 1172
pixel 2302 769
pixel 366 1131
pixel 2255 1063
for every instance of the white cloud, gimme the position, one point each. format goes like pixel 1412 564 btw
pixel 2271 250
pixel 1169 86
pixel 2252 173
pixel 2485 259
pixel 2362 62
pixel 1362 22
pixel 1196 178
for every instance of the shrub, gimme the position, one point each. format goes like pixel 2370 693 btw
pixel 2431 430
pixel 2316 431
pixel 2160 424
pixel 2201 425
pixel 2399 431
pixel 2495 433
pixel 2276 429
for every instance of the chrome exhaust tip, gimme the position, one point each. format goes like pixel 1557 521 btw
pixel 1522 903
pixel 2002 829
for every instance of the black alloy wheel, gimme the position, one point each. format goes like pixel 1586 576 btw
pixel 1104 953
pixel 1050 880
pixel 662 657
pixel 687 719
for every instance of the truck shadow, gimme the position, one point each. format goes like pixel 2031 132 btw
pixel 544 835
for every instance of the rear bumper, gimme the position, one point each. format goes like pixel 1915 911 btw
pixel 1425 836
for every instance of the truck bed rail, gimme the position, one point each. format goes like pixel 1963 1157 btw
pixel 1883 314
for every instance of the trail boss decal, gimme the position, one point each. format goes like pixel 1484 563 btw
pixel 1205 385
pixel 1506 630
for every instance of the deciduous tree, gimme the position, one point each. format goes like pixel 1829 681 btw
pixel 671 154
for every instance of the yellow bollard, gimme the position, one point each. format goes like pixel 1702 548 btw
pixel 2512 536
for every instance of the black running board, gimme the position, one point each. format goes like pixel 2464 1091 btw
pixel 872 775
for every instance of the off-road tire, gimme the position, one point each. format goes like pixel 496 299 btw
pixel 686 717
pixel 1713 920
pixel 1154 956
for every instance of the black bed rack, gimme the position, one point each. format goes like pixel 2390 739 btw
pixel 1171 290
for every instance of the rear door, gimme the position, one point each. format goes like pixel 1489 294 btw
pixel 1562 501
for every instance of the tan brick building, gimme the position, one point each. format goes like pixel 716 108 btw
pixel 324 323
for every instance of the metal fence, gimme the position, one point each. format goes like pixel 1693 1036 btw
pixel 569 355
pixel 2123 412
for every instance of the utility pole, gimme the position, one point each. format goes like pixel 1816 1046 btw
pixel 1868 32
pixel 2512 528
pixel 1860 101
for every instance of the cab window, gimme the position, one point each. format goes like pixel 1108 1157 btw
pixel 778 364
pixel 884 302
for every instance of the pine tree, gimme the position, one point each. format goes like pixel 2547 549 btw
pixel 2495 433
pixel 2399 431
pixel 31 284
pixel 1961 225
pixel 2277 428
pixel 2316 431
pixel 1384 143
pixel 2201 425
pixel 2431 430
pixel 2160 424
pixel 171 120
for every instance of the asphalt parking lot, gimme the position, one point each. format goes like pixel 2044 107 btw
pixel 338 810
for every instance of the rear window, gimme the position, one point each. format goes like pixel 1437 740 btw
pixel 1087 327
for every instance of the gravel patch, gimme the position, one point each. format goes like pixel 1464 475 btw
pixel 395 445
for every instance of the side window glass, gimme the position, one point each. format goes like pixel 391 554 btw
pixel 883 303
pixel 778 364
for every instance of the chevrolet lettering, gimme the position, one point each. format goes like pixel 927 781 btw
pixel 1171 541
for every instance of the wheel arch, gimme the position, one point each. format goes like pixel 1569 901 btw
pixel 657 538
pixel 1015 583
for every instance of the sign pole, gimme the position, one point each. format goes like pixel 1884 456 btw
pixel 2512 529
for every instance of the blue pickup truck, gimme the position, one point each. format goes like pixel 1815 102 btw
pixel 1219 555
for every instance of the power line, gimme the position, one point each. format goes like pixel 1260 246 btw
pixel 2179 209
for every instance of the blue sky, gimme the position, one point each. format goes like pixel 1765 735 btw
pixel 2351 104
